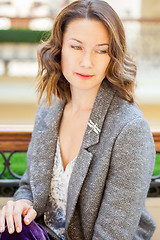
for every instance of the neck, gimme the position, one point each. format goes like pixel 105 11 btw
pixel 82 100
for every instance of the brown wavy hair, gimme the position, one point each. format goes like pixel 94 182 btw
pixel 121 71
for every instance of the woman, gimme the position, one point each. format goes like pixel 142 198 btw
pixel 91 156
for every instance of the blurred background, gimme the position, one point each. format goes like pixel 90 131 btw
pixel 24 23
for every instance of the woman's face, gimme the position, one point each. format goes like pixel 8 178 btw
pixel 84 57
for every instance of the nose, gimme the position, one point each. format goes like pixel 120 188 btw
pixel 86 60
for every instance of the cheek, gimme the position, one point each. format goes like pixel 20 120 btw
pixel 105 65
pixel 67 65
pixel 67 61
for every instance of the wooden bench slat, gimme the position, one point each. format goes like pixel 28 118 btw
pixel 156 137
pixel 15 138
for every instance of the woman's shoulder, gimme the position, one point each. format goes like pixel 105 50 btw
pixel 45 110
pixel 124 115
pixel 126 122
pixel 127 111
pixel 119 108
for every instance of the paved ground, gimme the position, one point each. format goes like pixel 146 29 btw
pixel 152 205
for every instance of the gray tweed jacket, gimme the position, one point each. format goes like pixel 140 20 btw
pixel 111 177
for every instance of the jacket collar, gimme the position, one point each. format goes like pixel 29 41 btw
pixel 99 111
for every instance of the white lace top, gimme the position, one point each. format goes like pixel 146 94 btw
pixel 55 215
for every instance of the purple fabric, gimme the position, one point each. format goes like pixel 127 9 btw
pixel 31 232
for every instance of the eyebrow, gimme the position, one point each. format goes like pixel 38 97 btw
pixel 101 44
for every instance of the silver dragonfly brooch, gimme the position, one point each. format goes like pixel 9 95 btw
pixel 93 126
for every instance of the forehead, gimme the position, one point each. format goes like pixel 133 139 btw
pixel 86 30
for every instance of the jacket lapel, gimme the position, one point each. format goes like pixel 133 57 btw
pixel 77 178
pixel 98 114
pixel 43 156
pixel 91 137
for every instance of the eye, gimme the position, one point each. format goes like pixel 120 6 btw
pixel 102 51
pixel 76 47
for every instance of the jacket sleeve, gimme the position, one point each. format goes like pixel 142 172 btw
pixel 24 190
pixel 127 184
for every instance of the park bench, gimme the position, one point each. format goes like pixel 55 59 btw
pixel 12 140
pixel 16 139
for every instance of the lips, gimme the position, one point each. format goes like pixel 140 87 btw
pixel 84 76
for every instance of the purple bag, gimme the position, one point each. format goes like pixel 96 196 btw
pixel 33 231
